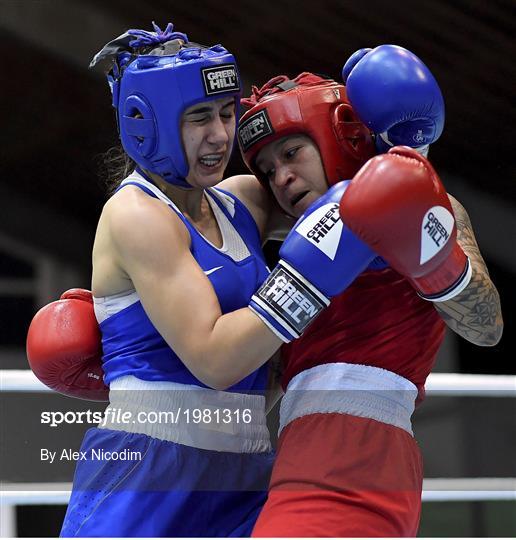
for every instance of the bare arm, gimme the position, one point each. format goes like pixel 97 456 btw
pixel 253 195
pixel 179 299
pixel 272 221
pixel 475 313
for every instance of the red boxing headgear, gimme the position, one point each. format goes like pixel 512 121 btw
pixel 313 106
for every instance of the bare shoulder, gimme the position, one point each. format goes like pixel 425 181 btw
pixel 252 194
pixel 139 224
pixel 247 188
pixel 131 233
pixel 241 184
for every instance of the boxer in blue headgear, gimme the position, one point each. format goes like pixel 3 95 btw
pixel 151 92
pixel 172 270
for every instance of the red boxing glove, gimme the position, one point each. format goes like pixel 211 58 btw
pixel 64 347
pixel 397 204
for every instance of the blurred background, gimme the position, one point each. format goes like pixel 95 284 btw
pixel 57 120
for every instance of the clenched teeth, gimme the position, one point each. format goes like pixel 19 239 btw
pixel 211 160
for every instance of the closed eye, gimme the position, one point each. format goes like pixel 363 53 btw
pixel 228 111
pixel 197 118
pixel 270 174
pixel 291 152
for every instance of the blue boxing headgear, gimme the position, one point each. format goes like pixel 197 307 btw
pixel 151 92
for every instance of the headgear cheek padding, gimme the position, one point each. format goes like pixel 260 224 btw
pixel 312 106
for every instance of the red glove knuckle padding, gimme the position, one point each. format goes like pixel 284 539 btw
pixel 64 347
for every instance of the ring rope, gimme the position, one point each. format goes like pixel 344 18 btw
pixel 434 490
pixel 437 384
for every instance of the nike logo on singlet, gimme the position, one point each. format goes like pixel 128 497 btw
pixel 208 272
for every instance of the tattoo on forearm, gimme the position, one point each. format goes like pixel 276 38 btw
pixel 475 313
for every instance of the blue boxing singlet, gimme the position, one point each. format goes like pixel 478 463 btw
pixel 131 344
pixel 204 469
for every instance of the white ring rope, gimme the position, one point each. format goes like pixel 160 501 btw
pixel 469 489
pixel 437 384
pixel 35 493
pixel 434 490
pixel 462 384
pixel 21 380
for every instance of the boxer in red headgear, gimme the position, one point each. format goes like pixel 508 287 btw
pixel 347 462
pixel 312 106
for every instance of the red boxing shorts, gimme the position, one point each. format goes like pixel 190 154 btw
pixel 347 463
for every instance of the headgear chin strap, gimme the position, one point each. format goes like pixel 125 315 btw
pixel 313 106
pixel 151 92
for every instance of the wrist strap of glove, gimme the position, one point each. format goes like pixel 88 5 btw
pixel 287 303
pixel 383 145
pixel 453 290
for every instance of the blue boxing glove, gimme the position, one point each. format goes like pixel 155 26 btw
pixel 396 96
pixel 319 258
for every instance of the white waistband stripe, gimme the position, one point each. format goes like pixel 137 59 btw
pixel 354 389
pixel 189 415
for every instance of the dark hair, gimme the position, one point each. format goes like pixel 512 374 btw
pixel 114 166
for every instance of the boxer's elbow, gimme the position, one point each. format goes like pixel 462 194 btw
pixel 211 371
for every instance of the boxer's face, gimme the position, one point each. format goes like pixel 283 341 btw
pixel 208 131
pixel 295 172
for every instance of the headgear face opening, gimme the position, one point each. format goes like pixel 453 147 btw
pixel 151 92
pixel 315 107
